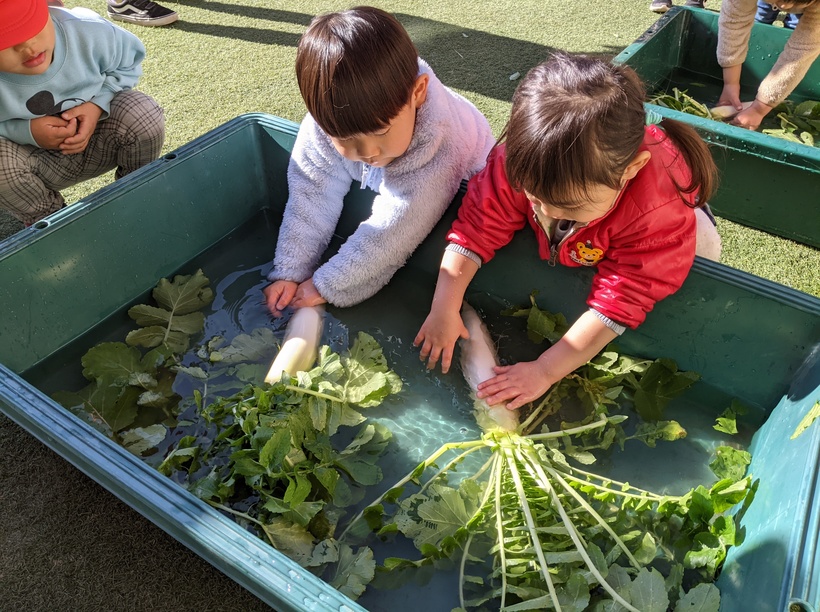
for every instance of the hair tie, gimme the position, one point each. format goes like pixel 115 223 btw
pixel 653 117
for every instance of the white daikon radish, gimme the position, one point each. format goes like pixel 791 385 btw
pixel 301 344
pixel 727 111
pixel 478 358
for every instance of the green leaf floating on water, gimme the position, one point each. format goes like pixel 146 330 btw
pixel 658 385
pixel 253 347
pixel 727 421
pixel 649 384
pixel 113 362
pixel 130 387
pixel 799 123
pixel 702 598
pixel 145 316
pixel 354 571
pixel 276 443
pixel 177 319
pixel 100 405
pixel 369 380
pixel 680 100
pixel 730 462
pixel 541 325
pixel 807 420
pixel 648 591
pixel 185 294
pixel 141 439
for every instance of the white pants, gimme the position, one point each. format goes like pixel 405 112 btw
pixel 708 239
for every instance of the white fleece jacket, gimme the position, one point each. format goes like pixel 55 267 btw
pixel 451 140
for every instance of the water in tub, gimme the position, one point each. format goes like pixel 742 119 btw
pixel 431 409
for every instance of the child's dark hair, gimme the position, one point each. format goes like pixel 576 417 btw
pixel 356 70
pixel 577 122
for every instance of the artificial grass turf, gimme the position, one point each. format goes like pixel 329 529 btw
pixel 68 544
pixel 226 58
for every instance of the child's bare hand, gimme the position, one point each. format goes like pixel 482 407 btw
pixel 278 295
pixel 516 384
pixel 730 96
pixel 87 115
pixel 438 336
pixel 307 295
pixel 752 116
pixel 50 132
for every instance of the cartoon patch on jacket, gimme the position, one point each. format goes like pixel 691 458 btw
pixel 586 254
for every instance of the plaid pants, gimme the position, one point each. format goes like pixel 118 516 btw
pixel 31 178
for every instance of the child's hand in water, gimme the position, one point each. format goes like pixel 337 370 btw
pixel 438 336
pixel 751 117
pixel 730 96
pixel 307 295
pixel 278 295
pixel 516 385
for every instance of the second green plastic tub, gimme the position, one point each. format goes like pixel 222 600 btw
pixel 766 182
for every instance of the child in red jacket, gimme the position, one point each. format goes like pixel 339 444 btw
pixel 600 188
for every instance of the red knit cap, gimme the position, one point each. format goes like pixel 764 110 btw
pixel 21 20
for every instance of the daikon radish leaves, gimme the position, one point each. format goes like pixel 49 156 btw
pixel 130 386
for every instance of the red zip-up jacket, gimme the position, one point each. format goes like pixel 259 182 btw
pixel 643 247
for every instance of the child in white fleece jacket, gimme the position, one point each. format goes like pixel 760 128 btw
pixel 377 114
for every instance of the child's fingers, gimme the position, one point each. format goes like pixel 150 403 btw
pixel 278 296
pixel 503 395
pixel 430 353
pixel 76 139
pixel 493 386
pixel 433 358
pixel 490 384
pixel 73 146
pixel 516 403
pixel 277 306
pixel 446 360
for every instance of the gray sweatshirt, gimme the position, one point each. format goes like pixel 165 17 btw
pixel 451 140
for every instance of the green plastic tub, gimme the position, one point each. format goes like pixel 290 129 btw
pixel 219 199
pixel 765 182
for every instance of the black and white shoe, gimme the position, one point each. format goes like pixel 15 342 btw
pixel 141 12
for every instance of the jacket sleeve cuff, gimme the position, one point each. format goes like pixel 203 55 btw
pixel 18 131
pixel 616 327
pixel 457 248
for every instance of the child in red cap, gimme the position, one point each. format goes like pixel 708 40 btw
pixel 68 111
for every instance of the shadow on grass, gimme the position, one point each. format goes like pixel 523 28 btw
pixel 463 58
pixel 252 12
pixel 254 35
